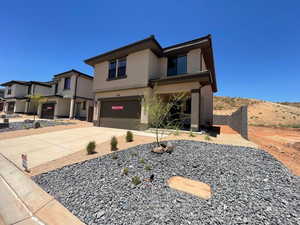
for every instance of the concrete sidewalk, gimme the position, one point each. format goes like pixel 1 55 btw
pixel 24 203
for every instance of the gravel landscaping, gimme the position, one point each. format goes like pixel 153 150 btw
pixel 249 187
pixel 20 125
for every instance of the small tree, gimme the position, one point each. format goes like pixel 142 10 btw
pixel 36 100
pixel 114 143
pixel 160 116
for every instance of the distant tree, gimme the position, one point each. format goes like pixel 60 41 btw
pixel 36 100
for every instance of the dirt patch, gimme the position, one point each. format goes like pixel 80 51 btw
pixel 22 133
pixel 280 142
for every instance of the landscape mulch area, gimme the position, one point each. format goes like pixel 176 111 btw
pixel 249 187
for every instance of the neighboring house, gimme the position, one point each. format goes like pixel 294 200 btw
pixel 126 76
pixel 15 96
pixel 2 99
pixel 71 97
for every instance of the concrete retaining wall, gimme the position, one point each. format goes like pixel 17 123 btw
pixel 238 121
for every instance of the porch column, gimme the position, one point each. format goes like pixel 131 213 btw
pixel 15 107
pixel 39 110
pixel 96 117
pixel 5 107
pixel 144 112
pixel 195 109
pixel 26 107
pixel 72 105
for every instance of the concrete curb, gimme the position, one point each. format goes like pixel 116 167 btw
pixel 23 202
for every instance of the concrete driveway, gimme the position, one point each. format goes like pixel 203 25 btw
pixel 42 148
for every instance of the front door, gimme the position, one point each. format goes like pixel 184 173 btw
pixel 10 107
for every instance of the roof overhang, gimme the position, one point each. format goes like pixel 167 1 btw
pixel 71 72
pixel 203 78
pixel 14 82
pixel 148 43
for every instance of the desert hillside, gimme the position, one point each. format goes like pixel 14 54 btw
pixel 261 112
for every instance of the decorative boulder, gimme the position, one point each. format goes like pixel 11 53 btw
pixel 36 124
pixel 28 121
pixel 170 147
pixel 159 149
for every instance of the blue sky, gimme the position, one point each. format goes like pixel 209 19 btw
pixel 256 43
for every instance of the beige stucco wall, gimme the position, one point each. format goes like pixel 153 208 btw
pixel 123 93
pixel 84 87
pixel 154 66
pixel 20 106
pixel 136 70
pixel 17 90
pixel 193 60
pixel 206 116
pixel 41 90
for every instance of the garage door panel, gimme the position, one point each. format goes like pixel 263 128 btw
pixel 48 110
pixel 121 113
pixel 133 124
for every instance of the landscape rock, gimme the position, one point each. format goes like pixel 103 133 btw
pixel 249 186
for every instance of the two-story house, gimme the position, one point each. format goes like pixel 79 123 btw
pixel 15 95
pixel 70 96
pixel 126 76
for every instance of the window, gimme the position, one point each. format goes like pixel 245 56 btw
pixel 112 70
pixel 84 105
pixel 121 67
pixel 55 88
pixel 9 90
pixel 177 65
pixel 67 83
pixel 29 90
pixel 117 69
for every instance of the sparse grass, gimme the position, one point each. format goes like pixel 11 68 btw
pixel 142 160
pixel 129 136
pixel 136 180
pixel 276 126
pixel 125 171
pixel 90 148
pixel 207 138
pixel 114 156
pixel 191 134
pixel 176 132
pixel 114 143
pixel 134 154
pixel 147 167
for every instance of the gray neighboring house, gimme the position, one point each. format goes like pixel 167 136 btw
pixel 70 96
pixel 124 77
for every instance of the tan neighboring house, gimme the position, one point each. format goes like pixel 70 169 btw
pixel 126 76
pixel 70 96
pixel 2 100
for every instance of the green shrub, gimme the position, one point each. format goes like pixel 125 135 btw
pixel 136 180
pixel 191 134
pixel 129 136
pixel 114 143
pixel 125 171
pixel 134 154
pixel 90 148
pixel 142 160
pixel 147 167
pixel 207 138
pixel 114 156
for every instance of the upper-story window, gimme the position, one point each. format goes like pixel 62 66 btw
pixel 67 84
pixel 117 69
pixel 177 65
pixel 9 90
pixel 55 88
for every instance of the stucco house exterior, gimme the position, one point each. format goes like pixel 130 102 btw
pixel 70 96
pixel 126 76
pixel 2 100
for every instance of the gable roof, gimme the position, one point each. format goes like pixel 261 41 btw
pixel 73 71
pixel 15 82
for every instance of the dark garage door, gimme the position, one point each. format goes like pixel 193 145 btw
pixel 121 113
pixel 10 107
pixel 48 110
